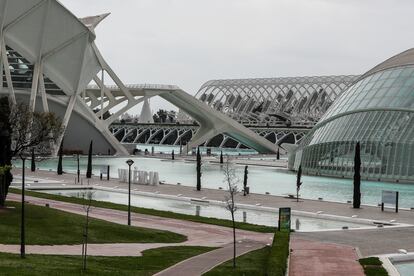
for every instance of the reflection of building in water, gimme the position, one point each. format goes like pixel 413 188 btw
pixel 198 209
pixel 297 224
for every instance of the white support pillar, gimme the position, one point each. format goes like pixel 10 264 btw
pixel 35 84
pixel 38 66
pixel 42 90
pixel 6 67
pixel 102 91
pixel 65 121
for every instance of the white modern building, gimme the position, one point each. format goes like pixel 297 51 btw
pixel 377 110
pixel 48 59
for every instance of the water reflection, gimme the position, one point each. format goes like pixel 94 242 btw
pixel 297 224
pixel 198 209
pixel 261 179
pixel 264 217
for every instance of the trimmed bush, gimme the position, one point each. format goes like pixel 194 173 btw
pixel 373 267
pixel 277 260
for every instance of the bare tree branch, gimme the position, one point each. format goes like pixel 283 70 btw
pixel 36 130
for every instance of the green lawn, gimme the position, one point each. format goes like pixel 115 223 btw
pixel 373 267
pixel 166 214
pixel 51 226
pixel 252 263
pixel 152 261
pixel 270 260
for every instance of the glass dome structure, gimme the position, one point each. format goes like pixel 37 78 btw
pixel 377 111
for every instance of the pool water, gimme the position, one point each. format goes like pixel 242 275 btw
pixel 203 150
pixel 261 217
pixel 405 268
pixel 260 179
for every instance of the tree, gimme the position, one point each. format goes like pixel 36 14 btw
pixel 22 130
pixel 5 150
pixel 4 171
pixel 33 161
pixel 221 157
pixel 198 169
pixel 36 130
pixel 231 180
pixel 89 167
pixel 162 115
pixel 245 180
pixel 298 183
pixel 357 177
pixel 60 160
pixel 156 118
pixel 87 203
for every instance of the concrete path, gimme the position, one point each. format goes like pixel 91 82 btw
pixel 369 242
pixel 309 258
pixel 200 264
pixel 198 234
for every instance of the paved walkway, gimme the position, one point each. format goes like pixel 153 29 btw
pixel 369 242
pixel 198 234
pixel 309 258
pixel 200 264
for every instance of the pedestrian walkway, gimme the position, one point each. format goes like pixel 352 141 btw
pixel 310 258
pixel 200 264
pixel 198 234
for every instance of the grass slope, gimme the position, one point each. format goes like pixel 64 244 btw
pixel 270 260
pixel 252 263
pixel 51 226
pixel 152 261
pixel 166 214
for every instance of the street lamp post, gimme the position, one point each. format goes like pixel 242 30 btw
pixel 129 162
pixel 22 230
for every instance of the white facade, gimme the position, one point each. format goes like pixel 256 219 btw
pixel 49 55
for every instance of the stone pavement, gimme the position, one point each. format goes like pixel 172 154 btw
pixel 369 242
pixel 308 258
pixel 200 264
pixel 198 234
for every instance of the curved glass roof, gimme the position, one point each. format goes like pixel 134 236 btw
pixel 377 111
pixel 391 88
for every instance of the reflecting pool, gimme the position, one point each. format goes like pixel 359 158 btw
pixel 260 179
pixel 405 268
pixel 262 217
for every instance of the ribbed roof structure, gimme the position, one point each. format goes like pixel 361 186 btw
pixel 378 112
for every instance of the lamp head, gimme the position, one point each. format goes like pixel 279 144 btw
pixel 130 162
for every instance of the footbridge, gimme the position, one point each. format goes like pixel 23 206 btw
pixel 211 123
pixel 181 134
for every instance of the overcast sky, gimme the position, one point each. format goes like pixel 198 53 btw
pixel 188 42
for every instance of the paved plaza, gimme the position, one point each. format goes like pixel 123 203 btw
pixel 334 252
